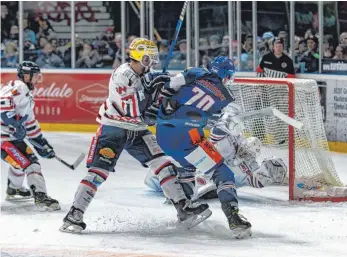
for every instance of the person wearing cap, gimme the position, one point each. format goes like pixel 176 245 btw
pixel 276 64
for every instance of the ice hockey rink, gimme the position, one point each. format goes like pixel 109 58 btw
pixel 127 219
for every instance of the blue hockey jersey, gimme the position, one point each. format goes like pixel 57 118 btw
pixel 201 95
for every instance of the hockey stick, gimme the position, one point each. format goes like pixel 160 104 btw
pixel 177 31
pixel 269 111
pixel 71 166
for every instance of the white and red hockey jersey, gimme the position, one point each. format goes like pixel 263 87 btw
pixel 16 98
pixel 126 100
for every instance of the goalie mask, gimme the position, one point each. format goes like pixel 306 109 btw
pixel 145 52
pixel 249 148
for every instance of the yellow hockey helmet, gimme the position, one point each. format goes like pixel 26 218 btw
pixel 144 51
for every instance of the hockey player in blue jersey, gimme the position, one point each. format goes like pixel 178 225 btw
pixel 198 94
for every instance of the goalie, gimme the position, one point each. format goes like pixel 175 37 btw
pixel 240 155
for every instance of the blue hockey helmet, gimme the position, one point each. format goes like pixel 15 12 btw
pixel 224 68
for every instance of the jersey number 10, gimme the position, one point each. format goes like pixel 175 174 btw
pixel 205 101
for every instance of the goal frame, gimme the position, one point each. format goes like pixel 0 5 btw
pixel 291 135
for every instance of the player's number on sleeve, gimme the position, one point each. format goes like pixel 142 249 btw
pixel 205 101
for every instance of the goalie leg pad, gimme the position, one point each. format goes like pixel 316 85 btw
pixel 88 187
pixel 35 178
pixel 170 185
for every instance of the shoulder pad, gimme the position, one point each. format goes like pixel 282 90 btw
pixel 19 87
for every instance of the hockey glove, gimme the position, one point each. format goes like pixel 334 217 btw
pixel 45 150
pixel 17 124
pixel 151 114
pixel 152 80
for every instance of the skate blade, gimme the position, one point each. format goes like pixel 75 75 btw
pixel 17 198
pixel 68 227
pixel 241 233
pixel 52 207
pixel 196 219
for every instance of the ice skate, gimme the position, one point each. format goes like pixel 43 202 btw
pixel 13 194
pixel 45 203
pixel 191 214
pixel 238 224
pixel 73 221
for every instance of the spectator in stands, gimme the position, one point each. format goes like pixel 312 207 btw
pixel 343 38
pixel 28 33
pixel 224 51
pixel 284 35
pixel 118 54
pixel 179 59
pixel 10 58
pixel 14 34
pixel 108 35
pixel 327 53
pixel 309 33
pixel 46 29
pixel 43 41
pixel 340 53
pixel 88 58
pixel 215 46
pixel 5 22
pixel 267 37
pixel 131 38
pixel 300 51
pixel 311 56
pixel 48 60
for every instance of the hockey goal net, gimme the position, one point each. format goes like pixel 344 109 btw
pixel 311 172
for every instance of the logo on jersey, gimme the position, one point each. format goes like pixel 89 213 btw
pixel 121 90
pixel 207 84
pixel 107 153
pixel 283 65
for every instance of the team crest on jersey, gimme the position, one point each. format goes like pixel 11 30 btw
pixel 108 153
pixel 284 65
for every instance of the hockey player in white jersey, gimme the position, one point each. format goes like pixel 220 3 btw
pixel 17 122
pixel 123 127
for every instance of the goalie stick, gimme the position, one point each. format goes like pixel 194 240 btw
pixel 269 111
pixel 71 166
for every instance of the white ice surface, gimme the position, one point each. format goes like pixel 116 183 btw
pixel 127 219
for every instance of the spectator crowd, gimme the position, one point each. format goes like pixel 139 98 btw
pixel 42 45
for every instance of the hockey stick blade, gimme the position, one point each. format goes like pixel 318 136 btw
pixel 71 166
pixel 76 163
